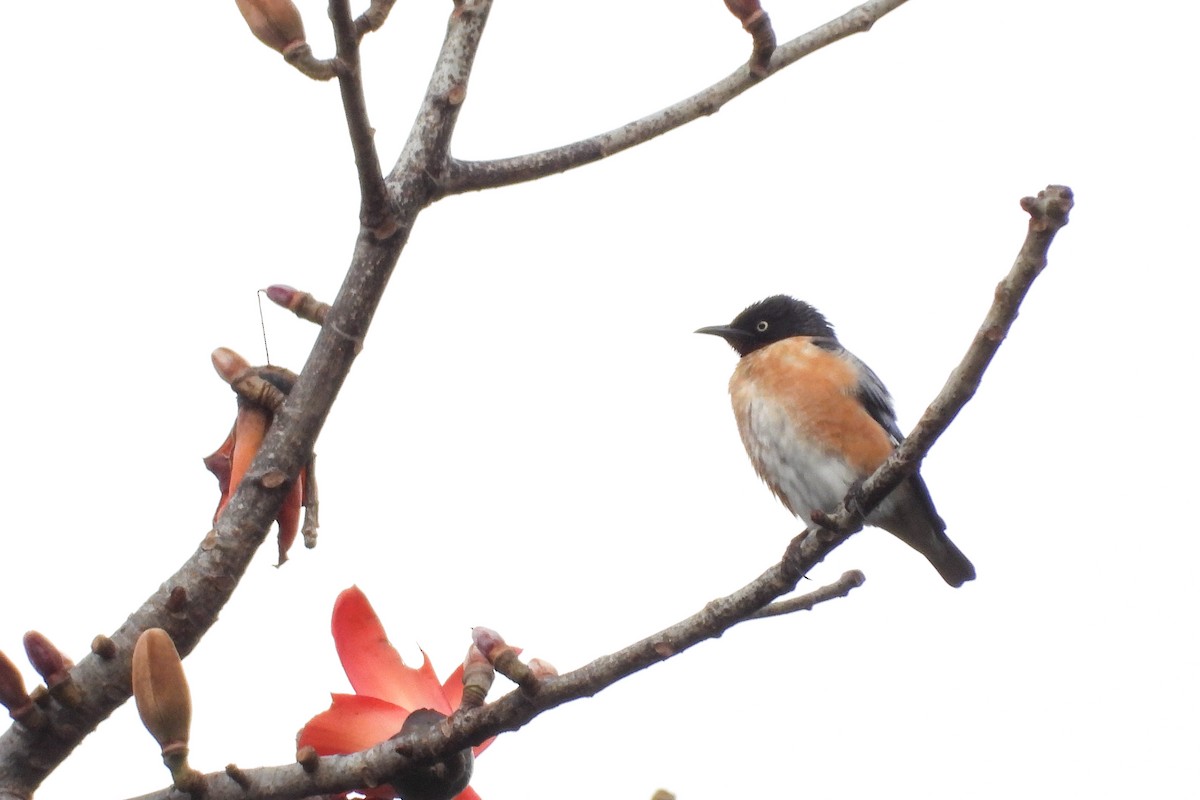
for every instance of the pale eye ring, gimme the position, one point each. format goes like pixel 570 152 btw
pixel 762 326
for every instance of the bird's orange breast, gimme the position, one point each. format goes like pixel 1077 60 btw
pixel 815 390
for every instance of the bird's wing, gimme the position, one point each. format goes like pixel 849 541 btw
pixel 871 394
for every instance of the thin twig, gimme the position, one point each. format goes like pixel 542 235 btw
pixel 374 212
pixel 373 18
pixel 1048 213
pixel 469 176
pixel 806 602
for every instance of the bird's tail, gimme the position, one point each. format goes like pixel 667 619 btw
pixel 908 513
pixel 954 567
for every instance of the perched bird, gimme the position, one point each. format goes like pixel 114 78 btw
pixel 815 420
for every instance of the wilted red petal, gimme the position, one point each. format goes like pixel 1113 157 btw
pixel 352 723
pixel 220 464
pixel 248 433
pixel 373 665
pixel 289 517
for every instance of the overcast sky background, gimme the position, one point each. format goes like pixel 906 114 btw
pixel 533 438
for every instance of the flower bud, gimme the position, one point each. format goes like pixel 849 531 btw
pixel 503 657
pixel 229 365
pixel 14 697
pixel 47 659
pixel 161 690
pixel 542 668
pixel 478 675
pixel 54 667
pixel 302 304
pixel 276 23
pixel 487 640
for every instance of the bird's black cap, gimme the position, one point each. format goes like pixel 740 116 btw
pixel 772 320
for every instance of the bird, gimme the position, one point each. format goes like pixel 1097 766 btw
pixel 816 421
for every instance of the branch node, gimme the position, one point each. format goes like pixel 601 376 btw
pixel 273 479
pixel 1051 208
pixel 357 341
pixel 238 776
pixel 300 56
pixel 176 601
pixel 373 18
pixel 308 758
pixel 104 647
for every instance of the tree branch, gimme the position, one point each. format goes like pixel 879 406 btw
pixel 1048 213
pixel 429 144
pixel 203 585
pixel 373 18
pixel 468 176
pixel 332 774
pixel 373 212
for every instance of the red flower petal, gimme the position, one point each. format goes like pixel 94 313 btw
pixel 220 464
pixel 373 665
pixel 352 723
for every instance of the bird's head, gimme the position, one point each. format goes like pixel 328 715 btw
pixel 769 321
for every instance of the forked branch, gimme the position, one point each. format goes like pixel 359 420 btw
pixel 470 176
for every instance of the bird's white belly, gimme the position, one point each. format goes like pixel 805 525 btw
pixel 806 477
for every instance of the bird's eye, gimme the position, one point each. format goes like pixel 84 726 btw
pixel 762 326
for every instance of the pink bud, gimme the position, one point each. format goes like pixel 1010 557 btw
pixel 281 295
pixel 487 640
pixel 49 662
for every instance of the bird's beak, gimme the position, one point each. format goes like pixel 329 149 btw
pixel 725 332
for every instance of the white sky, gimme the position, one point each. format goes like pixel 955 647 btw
pixel 534 440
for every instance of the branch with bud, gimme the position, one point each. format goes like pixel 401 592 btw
pixel 756 23
pixel 164 703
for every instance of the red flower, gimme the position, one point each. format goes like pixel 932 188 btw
pixel 386 689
